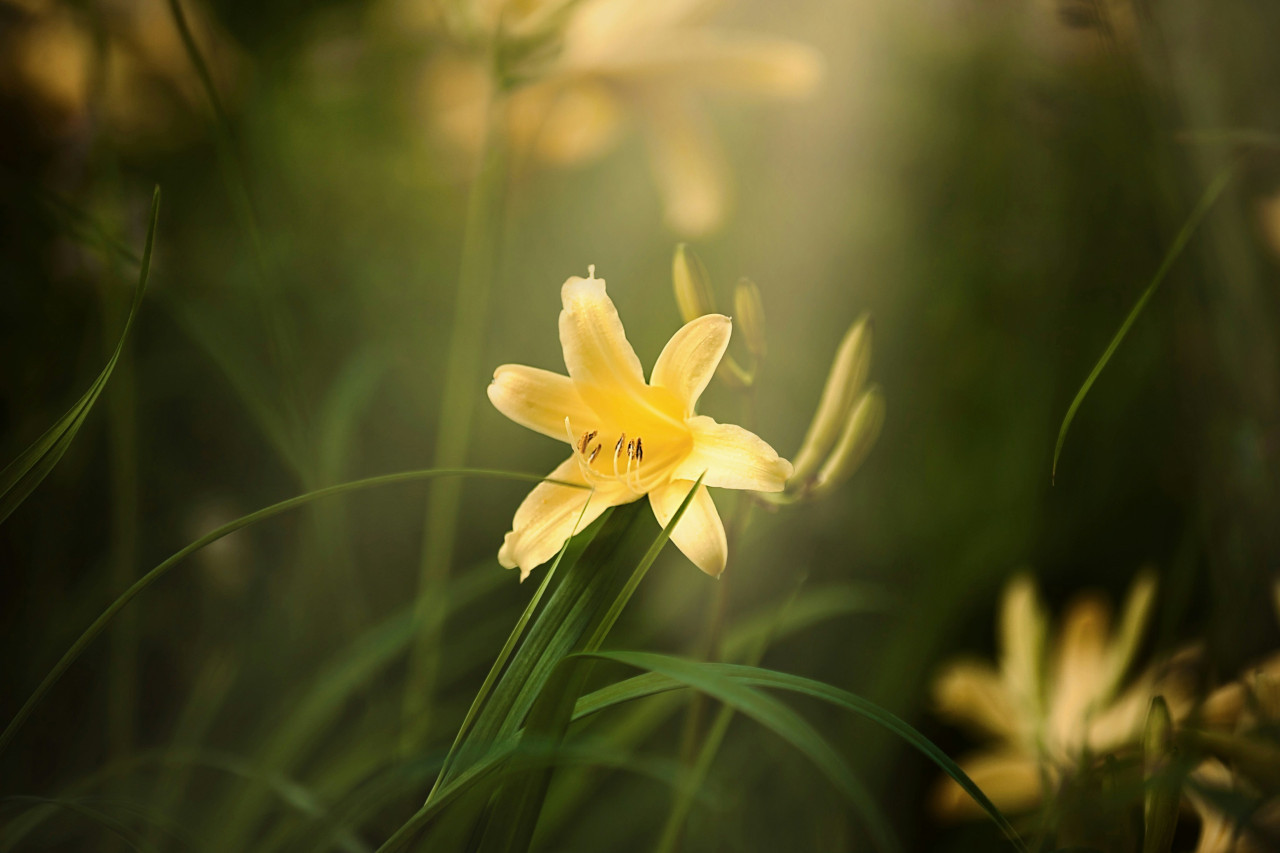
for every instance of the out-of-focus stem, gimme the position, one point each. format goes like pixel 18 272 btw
pixel 457 408
pixel 122 439
pixel 694 749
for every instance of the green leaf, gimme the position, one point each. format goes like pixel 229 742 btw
pixel 516 814
pixel 516 756
pixel 745 640
pixel 21 476
pixel 100 624
pixel 724 683
pixel 1179 243
pixel 499 664
pixel 668 673
pixel 590 576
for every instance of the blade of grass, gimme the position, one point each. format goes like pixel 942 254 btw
pixel 462 382
pixel 280 335
pixel 512 758
pixel 1203 206
pixel 551 717
pixel 669 673
pixel 504 654
pixel 516 815
pixel 21 476
pixel 160 570
pixel 759 631
pixel 288 791
pixel 700 768
pixel 332 688
pixel 585 582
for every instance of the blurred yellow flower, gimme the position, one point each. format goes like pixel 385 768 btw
pixel 617 60
pixel 628 438
pixel 59 58
pixel 1047 720
pixel 1221 833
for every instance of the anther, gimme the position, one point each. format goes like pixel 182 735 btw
pixel 585 440
pixel 617 448
pixel 595 451
pixel 639 450
pixel 631 450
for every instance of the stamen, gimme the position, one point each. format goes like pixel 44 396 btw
pixel 617 452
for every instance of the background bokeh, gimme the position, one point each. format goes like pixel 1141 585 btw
pixel 996 182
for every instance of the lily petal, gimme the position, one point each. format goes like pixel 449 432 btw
pixel 688 164
pixel 596 350
pixel 1023 629
pixel 538 399
pixel 691 357
pixel 568 123
pixel 550 515
pixel 1078 682
pixel 972 693
pixel 700 533
pixel 733 458
pixel 1011 779
pixel 724 62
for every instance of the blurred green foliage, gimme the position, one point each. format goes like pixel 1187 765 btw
pixel 996 186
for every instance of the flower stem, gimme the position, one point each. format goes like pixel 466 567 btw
pixel 697 752
pixel 457 409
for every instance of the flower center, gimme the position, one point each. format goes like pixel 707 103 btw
pixel 606 458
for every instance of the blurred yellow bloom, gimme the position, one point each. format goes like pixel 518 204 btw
pixel 628 438
pixel 1046 720
pixel 618 60
pixel 148 88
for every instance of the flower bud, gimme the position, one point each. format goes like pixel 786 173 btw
pixel 692 285
pixel 748 311
pixel 848 372
pixel 1161 792
pixel 861 430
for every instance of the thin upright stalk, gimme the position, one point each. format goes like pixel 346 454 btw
pixel 697 751
pixel 462 384
pixel 122 700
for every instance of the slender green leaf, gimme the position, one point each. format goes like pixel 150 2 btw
pixel 718 682
pixel 516 815
pixel 744 640
pixel 21 476
pixel 504 654
pixel 667 673
pixel 513 757
pixel 163 568
pixel 588 578
pixel 1175 250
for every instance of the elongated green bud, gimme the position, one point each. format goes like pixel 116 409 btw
pixel 748 314
pixel 1162 794
pixel 692 285
pixel 860 432
pixel 848 372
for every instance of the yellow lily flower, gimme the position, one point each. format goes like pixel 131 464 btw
pixel 628 438
pixel 1047 721
pixel 618 62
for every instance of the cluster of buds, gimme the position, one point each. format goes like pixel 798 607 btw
pixel 847 422
pixel 849 415
pixel 695 297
